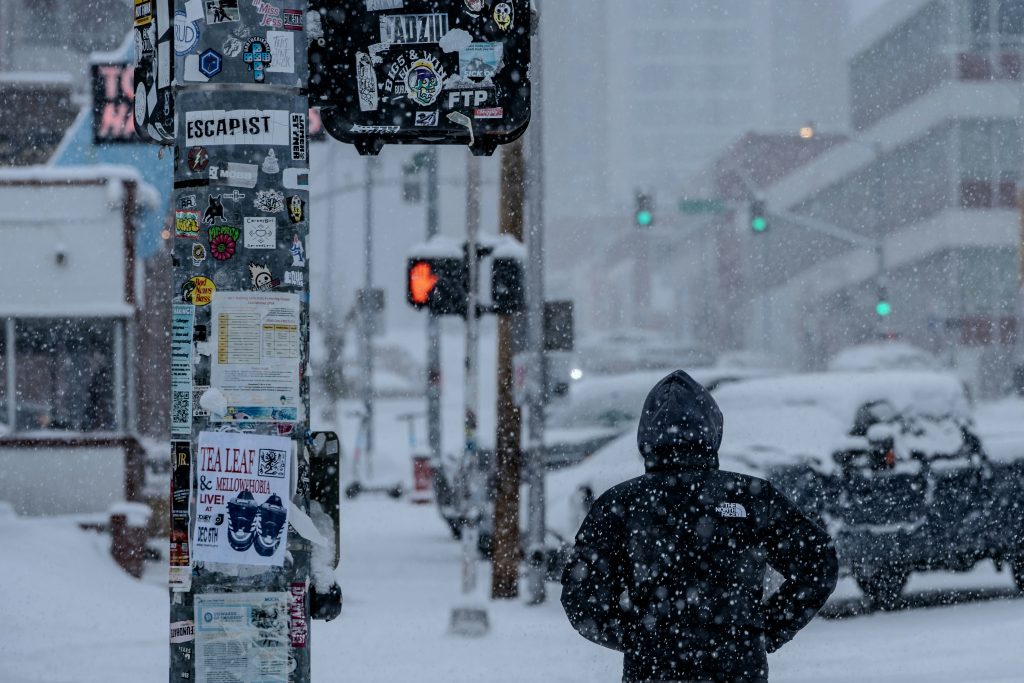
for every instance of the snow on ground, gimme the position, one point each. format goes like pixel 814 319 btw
pixel 74 617
pixel 71 616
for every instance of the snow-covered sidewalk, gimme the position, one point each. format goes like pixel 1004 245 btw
pixel 71 616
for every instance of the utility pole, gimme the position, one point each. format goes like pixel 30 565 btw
pixel 245 467
pixel 367 315
pixel 535 315
pixel 507 452
pixel 433 323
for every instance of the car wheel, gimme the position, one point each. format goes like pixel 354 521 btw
pixel 883 586
pixel 1018 573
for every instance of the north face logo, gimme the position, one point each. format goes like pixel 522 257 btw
pixel 731 510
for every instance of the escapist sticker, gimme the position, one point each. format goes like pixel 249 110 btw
pixel 237 127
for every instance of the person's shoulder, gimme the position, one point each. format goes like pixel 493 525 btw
pixel 622 494
pixel 623 489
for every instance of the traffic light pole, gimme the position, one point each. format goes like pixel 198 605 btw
pixel 366 323
pixel 535 315
pixel 470 617
pixel 875 245
pixel 433 323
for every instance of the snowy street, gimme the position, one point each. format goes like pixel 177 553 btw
pixel 76 618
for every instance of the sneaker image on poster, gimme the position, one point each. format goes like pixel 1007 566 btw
pixel 241 516
pixel 270 525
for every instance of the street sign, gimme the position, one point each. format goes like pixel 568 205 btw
pixel 113 104
pixel 422 72
pixel 701 206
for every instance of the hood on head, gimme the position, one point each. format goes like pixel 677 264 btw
pixel 681 425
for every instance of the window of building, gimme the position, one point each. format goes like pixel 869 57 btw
pixel 65 375
pixel 1011 21
pixel 990 161
pixel 991 39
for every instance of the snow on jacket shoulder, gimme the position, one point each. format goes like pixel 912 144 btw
pixel 669 567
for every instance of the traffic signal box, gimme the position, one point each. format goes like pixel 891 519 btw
pixel 422 71
pixel 439 284
pixel 644 214
pixel 758 216
pixel 508 293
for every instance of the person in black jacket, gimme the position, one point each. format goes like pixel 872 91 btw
pixel 669 568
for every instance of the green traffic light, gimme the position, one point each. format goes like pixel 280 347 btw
pixel 883 308
pixel 644 218
pixel 759 223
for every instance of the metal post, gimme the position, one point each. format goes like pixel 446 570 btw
pixel 366 322
pixel 433 324
pixel 241 541
pixel 471 618
pixel 536 593
pixel 332 319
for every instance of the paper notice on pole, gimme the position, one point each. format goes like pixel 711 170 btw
pixel 256 357
pixel 182 321
pixel 242 637
pixel 282 46
pixel 242 498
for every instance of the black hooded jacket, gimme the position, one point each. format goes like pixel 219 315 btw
pixel 669 567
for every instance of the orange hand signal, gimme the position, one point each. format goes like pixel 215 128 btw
pixel 421 282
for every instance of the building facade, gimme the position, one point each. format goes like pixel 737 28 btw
pixel 930 178
pixel 645 94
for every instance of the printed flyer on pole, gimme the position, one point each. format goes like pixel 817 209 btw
pixel 242 637
pixel 242 498
pixel 256 357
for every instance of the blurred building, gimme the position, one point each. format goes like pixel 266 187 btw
pixel 57 36
pixel 645 94
pixel 931 174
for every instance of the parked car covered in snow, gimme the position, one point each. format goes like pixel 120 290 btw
pixel 889 461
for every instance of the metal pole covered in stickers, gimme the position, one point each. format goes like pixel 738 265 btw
pixel 249 565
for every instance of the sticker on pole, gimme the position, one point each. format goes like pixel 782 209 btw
pixel 242 637
pixel 419 71
pixel 242 498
